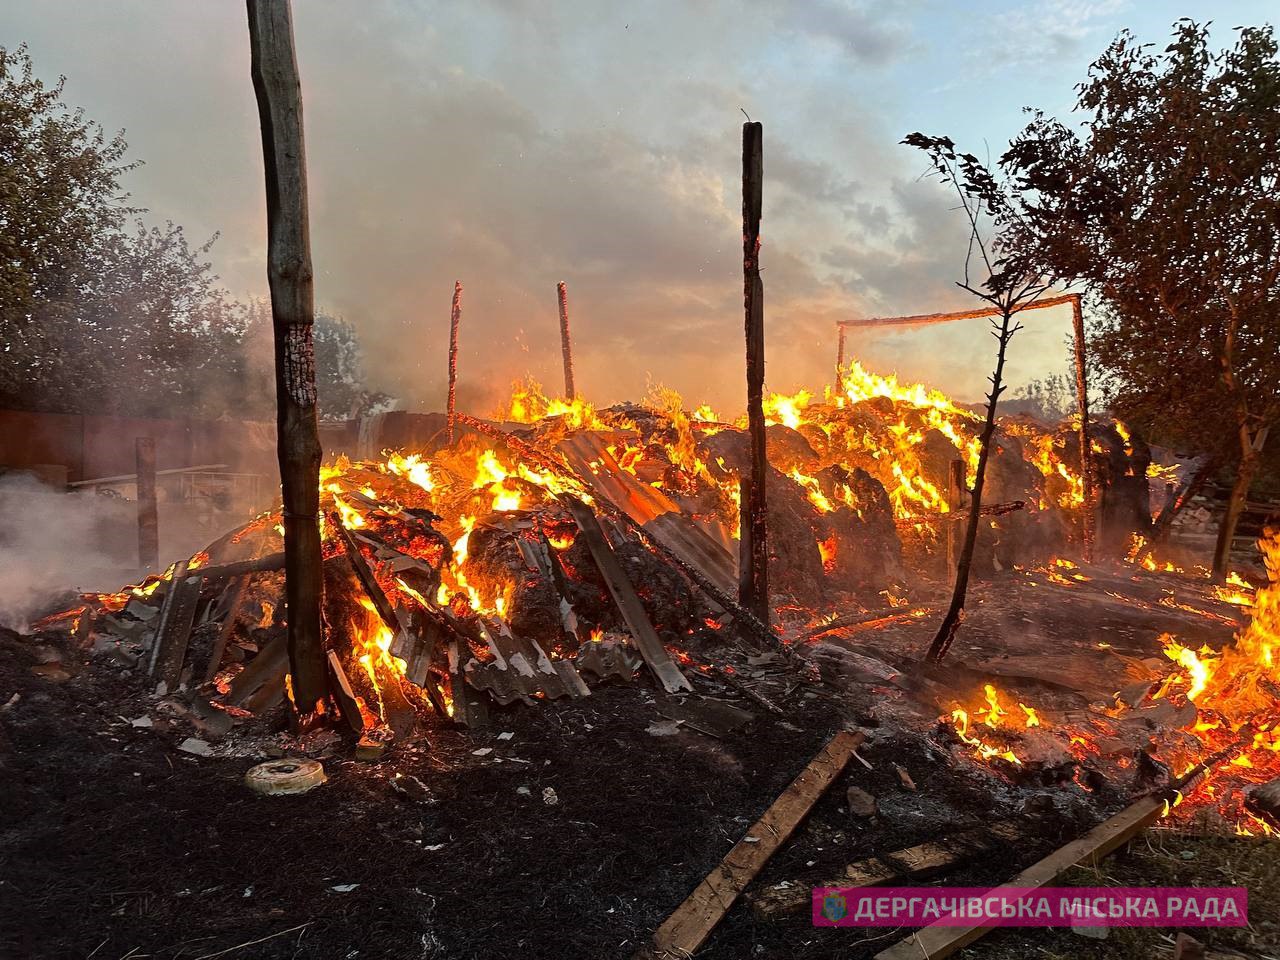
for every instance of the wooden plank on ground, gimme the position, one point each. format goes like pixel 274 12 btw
pixel 624 595
pixel 935 941
pixel 172 638
pixel 922 860
pixel 688 928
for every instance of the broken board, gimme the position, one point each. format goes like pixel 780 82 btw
pixel 922 860
pixel 624 595
pixel 688 928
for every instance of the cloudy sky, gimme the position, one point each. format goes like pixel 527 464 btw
pixel 511 144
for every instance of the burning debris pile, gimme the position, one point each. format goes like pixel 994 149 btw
pixel 561 546
pixel 1219 707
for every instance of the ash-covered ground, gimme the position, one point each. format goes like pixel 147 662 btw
pixel 575 836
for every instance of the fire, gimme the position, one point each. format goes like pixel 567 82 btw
pixel 786 410
pixel 528 404
pixel 827 550
pixel 1236 691
pixel 1136 544
pixel 1237 590
pixel 413 468
pixel 371 646
pixel 995 716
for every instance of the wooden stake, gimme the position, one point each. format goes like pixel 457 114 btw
pixel 455 317
pixel 1082 399
pixel 148 521
pixel 688 928
pixel 840 333
pixel 274 68
pixel 565 347
pixel 754 587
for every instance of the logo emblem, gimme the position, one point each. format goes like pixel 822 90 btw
pixel 834 907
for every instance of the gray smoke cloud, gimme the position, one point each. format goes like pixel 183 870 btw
pixel 512 145
pixel 52 541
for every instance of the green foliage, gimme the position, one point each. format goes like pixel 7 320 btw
pixel 100 312
pixel 1165 204
pixel 1052 397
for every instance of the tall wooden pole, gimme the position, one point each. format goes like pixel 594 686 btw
pixel 274 67
pixel 455 318
pixel 754 582
pixel 1082 399
pixel 565 348
pixel 148 521
pixel 839 353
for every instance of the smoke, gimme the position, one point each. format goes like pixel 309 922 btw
pixel 511 146
pixel 53 542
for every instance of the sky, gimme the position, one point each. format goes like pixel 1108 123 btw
pixel 511 144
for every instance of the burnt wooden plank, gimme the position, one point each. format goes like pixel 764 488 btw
pixel 624 595
pixel 938 941
pixel 364 573
pixel 231 617
pixel 922 860
pixel 261 683
pixel 175 632
pixel 340 687
pixel 688 928
pixel 166 605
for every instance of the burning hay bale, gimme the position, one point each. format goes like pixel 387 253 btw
pixel 473 566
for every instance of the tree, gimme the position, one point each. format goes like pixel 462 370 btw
pixel 98 311
pixel 1012 283
pixel 1051 397
pixel 1166 205
pixel 340 371
pixel 59 193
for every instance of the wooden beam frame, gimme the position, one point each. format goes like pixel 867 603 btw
pixel 924 319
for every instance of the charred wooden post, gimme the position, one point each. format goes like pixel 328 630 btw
pixel 840 335
pixel 1082 399
pixel 754 588
pixel 274 67
pixel 1252 440
pixel 148 520
pixel 455 318
pixel 566 349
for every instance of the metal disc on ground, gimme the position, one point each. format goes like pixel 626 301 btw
pixel 278 777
